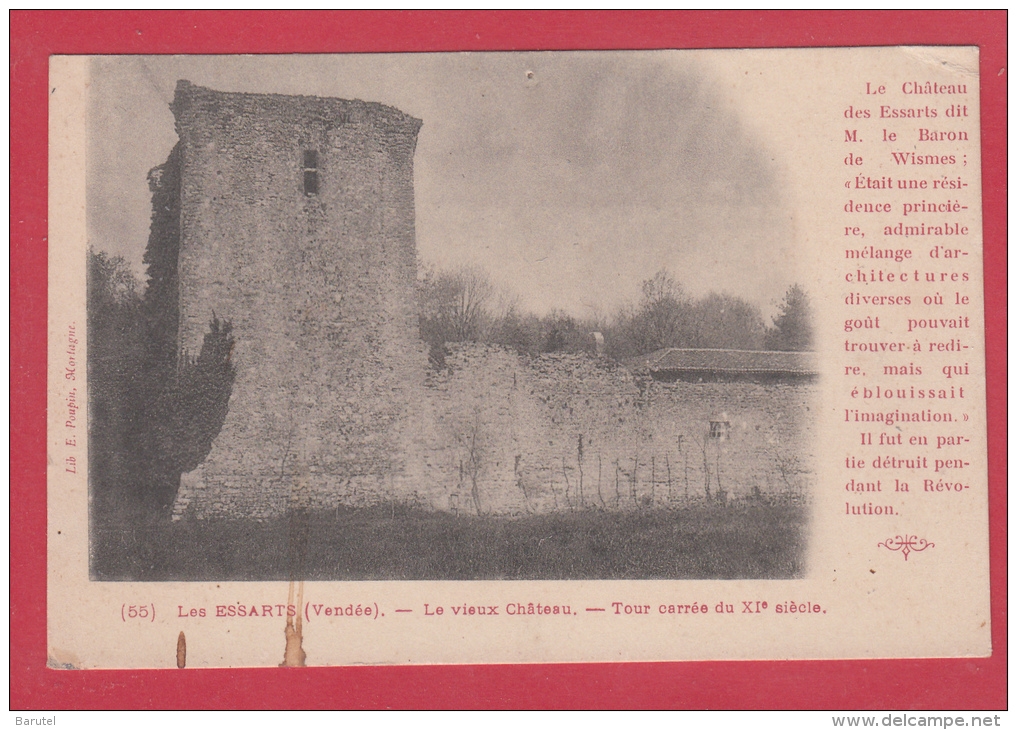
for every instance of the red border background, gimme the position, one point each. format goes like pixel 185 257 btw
pixel 955 684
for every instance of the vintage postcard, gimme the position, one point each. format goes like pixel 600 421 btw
pixel 516 357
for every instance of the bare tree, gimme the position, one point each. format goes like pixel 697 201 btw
pixel 454 305
pixel 666 315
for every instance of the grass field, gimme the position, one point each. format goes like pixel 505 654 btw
pixel 751 539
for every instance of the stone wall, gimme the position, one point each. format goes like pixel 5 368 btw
pixel 500 433
pixel 516 434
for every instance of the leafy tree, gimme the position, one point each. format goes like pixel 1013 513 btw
pixel 162 298
pixel 186 415
pixel 792 326
pixel 563 333
pixel 150 419
pixel 619 340
pixel 727 322
pixel 116 351
pixel 522 332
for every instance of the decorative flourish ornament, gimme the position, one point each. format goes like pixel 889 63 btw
pixel 907 544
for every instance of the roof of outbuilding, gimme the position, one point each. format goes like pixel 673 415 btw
pixel 726 361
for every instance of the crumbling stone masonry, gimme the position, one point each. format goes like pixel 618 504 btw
pixel 516 434
pixel 297 225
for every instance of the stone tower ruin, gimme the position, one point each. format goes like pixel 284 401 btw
pixel 296 224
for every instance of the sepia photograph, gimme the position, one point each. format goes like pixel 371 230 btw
pixel 509 359
pixel 516 357
pixel 471 316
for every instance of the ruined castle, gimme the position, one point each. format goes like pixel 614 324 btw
pixel 296 224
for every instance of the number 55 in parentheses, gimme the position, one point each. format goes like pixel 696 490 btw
pixel 142 612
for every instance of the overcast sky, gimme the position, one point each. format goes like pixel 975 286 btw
pixel 568 177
